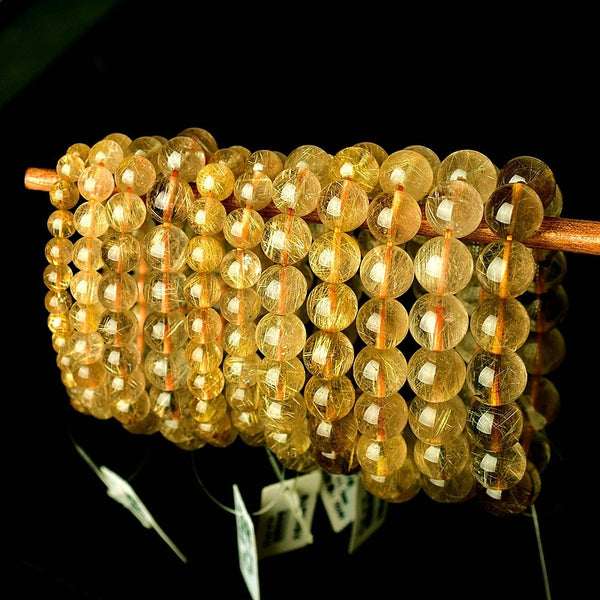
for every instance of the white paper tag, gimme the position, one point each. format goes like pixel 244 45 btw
pixel 286 525
pixel 246 540
pixel 369 516
pixel 339 498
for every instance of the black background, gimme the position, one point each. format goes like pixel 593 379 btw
pixel 275 77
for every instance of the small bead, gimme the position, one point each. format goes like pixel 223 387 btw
pixel 70 167
pixel 164 291
pixel 203 357
pixel 91 219
pixel 543 352
pixel 380 372
pixel 253 189
pixel 382 323
pixel 243 228
pixel 442 461
pixel 61 223
pixel 183 156
pixel 499 470
pixel 64 194
pixel 281 379
pixel 386 271
pixel 355 164
pixel 206 216
pixel 296 190
pixel 343 205
pixel 282 289
pixel 334 257
pixel 119 252
pixel 59 251
pixel 328 354
pixel 166 371
pixel 118 328
pixel 406 170
pixel 239 340
pixel 394 217
pixel 165 332
pixel 204 253
pixel 125 211
pixel 329 399
pixel 215 180
pixel 494 428
pixel 532 172
pixel 205 386
pixel 239 305
pixel 436 376
pixel 169 200
pixel 280 337
pixel 96 183
pixel 332 306
pixel 333 436
pixel 310 157
pixel 241 370
pixel 240 268
pixel 203 325
pixel 381 457
pixel 381 418
pixel 286 240
pixel 285 416
pixel 118 291
pixel 264 161
pixel 135 174
pixel 164 247
pixel 437 423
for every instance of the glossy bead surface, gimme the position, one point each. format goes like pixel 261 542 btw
pixel 380 372
pixel 386 271
pixel 334 257
pixel 533 172
pixel 382 323
pixel 494 428
pixel 332 306
pixel 436 376
pixel 437 423
pixel 394 217
pixel 499 470
pixel 407 170
pixel 454 205
pixel 342 205
pixel 329 399
pixel 381 418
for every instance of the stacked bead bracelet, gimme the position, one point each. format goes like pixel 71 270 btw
pixel 285 320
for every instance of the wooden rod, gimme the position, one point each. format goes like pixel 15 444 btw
pixel 555 233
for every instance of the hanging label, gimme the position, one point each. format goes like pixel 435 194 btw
pixel 286 525
pixel 339 498
pixel 369 516
pixel 246 540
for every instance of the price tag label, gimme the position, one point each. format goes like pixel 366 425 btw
pixel 246 540
pixel 339 499
pixel 370 515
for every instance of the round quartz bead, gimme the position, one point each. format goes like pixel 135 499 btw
pixel 328 354
pixel 496 378
pixel 203 357
pixel 400 486
pixel 429 154
pixel 450 491
pixel 182 156
pixel 240 268
pixel 232 158
pixel 494 428
pixel 333 436
pixel 205 386
pixel 96 183
pixel 164 292
pixel 70 167
pixel 500 324
pixel 169 200
pixel 380 372
pixel 135 174
pixel 202 290
pixel 264 161
pixel 546 310
pixel 203 137
pixel 146 146
pixel 454 205
pixel 382 323
pixel 203 325
pixel 64 194
pixel 253 190
pixel 381 418
pixel 244 398
pixel 61 223
pixel 381 457
pixel 503 273
pixel 79 149
pixel 91 219
pixel 85 347
pixel 443 265
pixel 85 317
pixel 329 399
pixel 239 340
pixel 118 291
pixel 240 370
pixel 532 172
pixel 107 153
pixel 514 209
pixel 406 170
pixel 164 247
pixel 166 371
pixel 204 253
pixel 436 376
pixel 243 228
pixel 437 423
pixel 84 286
pixel 386 271
pixel 543 352
pixel 125 211
pixel 118 328
pixel 89 375
pixel 280 337
pixel 282 289
pixel 442 461
pixel 290 444
pixel 343 205
pixel 471 166
pixel 310 157
pixel 121 359
pixel 215 180
pixel 206 216
pixel 129 410
pixel 240 305
pixel 59 251
pixel 57 303
pixel 332 306
pixel 120 253
pixel 209 410
pixel 284 416
pixel 281 379
pixel 438 322
pixel 286 239
pixel 165 332
pixel 296 190
pixel 334 257
pixel 498 470
pixel 356 164
pixel 394 217
pixel 57 277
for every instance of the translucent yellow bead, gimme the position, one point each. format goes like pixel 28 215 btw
pixel 92 401
pixel 436 376
pixel 164 247
pixel 280 337
pixel 96 183
pixel 290 444
pixel 241 397
pixel 282 289
pixel 203 325
pixel 240 268
pixel 85 317
pixel 438 322
pixel 551 268
pixel 107 153
pixel 380 372
pixel 310 157
pixel 265 161
pixel 135 174
pixel 147 146
pixel 379 152
pixel 79 149
pixel 203 137
pixel 386 271
pixel 332 306
pixel 471 166
pixel 281 379
pixel 343 205
pixel 443 265
pixel 240 305
pixel 169 200
pixel 203 357
pixel 70 167
pixel 209 410
pixel 85 347
pixel 406 170
pixel 334 257
pixel 125 211
pixel 494 428
pixel 296 190
pixel 457 489
pixel 91 219
pixel 355 164
pixel 382 323
pixel 284 416
pixel 121 360
pixel 543 352
pixel 57 277
pixel 333 436
pixel 394 217
pixel 84 286
pixel 57 302
pixel 328 354
pixel 454 205
pixel 164 292
pixel 206 216
pixel 59 325
pixel 381 418
pixel 243 228
pixel 240 340
pixel 499 470
pixel 241 370
pixel 61 223
pixel 503 271
pixel 329 399
pixel 533 172
pixel 182 156
pixel 118 328
pixel 166 371
pixel 232 158
pixel 169 404
pixel 286 239
pixel 64 194
pixel 59 251
pixel 253 189
pixel 120 252
pixel 496 378
pixel 118 291
pixel 204 386
pixel 204 253
pixel 437 423
pixel 202 290
pixel 400 486
pixel 337 463
pixel 215 180
pixel 442 461
pixel 165 332
pixel 514 209
pixel 249 422
pixel 381 457
pixel 130 410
